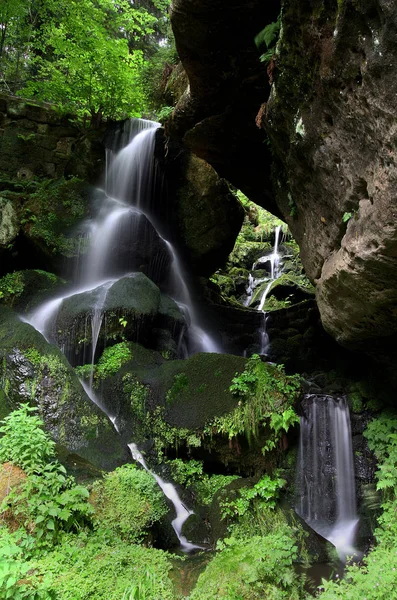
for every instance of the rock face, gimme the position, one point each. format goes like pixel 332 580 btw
pixel 216 115
pixel 335 144
pixel 202 214
pixel 37 373
pixel 36 141
pixel 331 121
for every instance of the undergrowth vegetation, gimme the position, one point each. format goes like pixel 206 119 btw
pixel 266 398
pixel 60 540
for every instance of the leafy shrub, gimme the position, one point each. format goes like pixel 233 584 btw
pixel 127 502
pixel 47 501
pixel 24 442
pixel 266 491
pixel 259 567
pixel 190 473
pixel 266 396
pixel 92 566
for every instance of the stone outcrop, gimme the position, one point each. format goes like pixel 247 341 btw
pixel 227 84
pixel 331 121
pixel 334 140
pixel 36 141
pixel 202 214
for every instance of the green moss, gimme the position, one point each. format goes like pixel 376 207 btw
pixel 128 501
pixel 181 382
pixel 190 407
pixel 112 359
pixel 138 395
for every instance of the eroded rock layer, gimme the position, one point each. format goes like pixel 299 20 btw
pixel 331 121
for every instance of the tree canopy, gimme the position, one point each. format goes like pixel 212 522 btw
pixel 87 56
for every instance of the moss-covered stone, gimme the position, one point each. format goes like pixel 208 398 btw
pixel 23 290
pixel 133 308
pixel 288 288
pixel 34 371
pixel 197 389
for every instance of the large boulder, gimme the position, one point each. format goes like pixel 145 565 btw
pixel 132 307
pixel 202 213
pixel 36 372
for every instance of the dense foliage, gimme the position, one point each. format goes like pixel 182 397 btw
pixel 55 543
pixel 266 397
pixel 88 57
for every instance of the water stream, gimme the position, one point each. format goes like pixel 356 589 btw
pixel 182 513
pixel 325 480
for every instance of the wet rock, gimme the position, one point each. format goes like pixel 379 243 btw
pixel 37 373
pixel 133 308
pixel 201 213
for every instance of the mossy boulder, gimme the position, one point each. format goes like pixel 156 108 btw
pixel 133 308
pixel 189 392
pixel 195 390
pixel 24 290
pixel 288 289
pixel 36 372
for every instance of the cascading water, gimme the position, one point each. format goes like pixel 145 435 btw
pixel 182 513
pixel 325 481
pixel 275 272
pixel 118 239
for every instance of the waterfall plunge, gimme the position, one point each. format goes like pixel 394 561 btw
pixel 325 480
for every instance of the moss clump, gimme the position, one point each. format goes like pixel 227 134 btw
pixel 51 210
pixel 112 359
pixel 127 502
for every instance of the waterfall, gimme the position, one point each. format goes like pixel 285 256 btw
pixel 123 229
pixel 325 480
pixel 119 236
pixel 275 272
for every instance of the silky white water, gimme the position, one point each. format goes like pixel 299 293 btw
pixel 275 272
pixel 182 513
pixel 325 484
